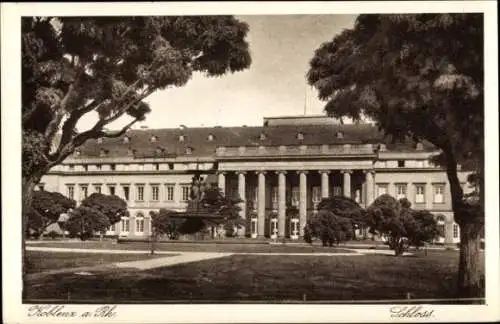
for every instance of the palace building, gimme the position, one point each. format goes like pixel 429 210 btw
pixel 288 162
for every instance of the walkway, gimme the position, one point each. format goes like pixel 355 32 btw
pixel 178 258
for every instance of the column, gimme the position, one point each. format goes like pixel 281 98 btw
pixel 347 183
pixel 131 221
pixel 147 225
pixel 410 193
pixel 324 184
pixel 370 187
pixel 221 182
pixel 428 196
pixel 303 201
pixel 242 194
pixel 261 208
pixel 281 203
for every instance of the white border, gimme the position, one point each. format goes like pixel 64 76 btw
pixel 15 312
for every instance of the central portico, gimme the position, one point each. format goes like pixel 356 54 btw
pixel 281 194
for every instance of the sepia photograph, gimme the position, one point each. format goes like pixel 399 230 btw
pixel 224 157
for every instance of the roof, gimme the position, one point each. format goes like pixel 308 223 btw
pixel 197 139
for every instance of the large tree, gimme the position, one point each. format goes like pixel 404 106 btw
pixel 46 209
pixel 335 221
pixel 420 77
pixel 107 66
pixel 112 206
pixel 401 225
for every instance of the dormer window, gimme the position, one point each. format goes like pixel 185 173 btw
pixel 263 136
pixel 154 138
pixel 382 147
pixel 77 152
pixel 99 140
pixel 419 146
pixel 126 140
pixel 182 138
pixel 189 150
pixel 210 137
pixel 339 135
pixel 300 136
pixel 103 153
pixel 131 152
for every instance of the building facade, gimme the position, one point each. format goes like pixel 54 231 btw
pixel 288 163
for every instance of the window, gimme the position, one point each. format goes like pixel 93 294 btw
pixel 300 136
pixel 84 192
pixel 337 191
pixel 154 138
pixel 262 136
pixel 126 192
pixel 140 193
pixel 70 189
pixel 419 193
pixel 71 167
pixel 111 190
pixel 41 186
pixel 401 190
pixel 139 223
pixel 97 188
pixel 295 196
pixel 274 197
pixel 85 167
pixel 185 193
pixel 381 189
pixel 155 192
pixel 126 139
pixel 112 228
pixel 103 153
pixel 181 138
pixel 169 193
pixel 125 225
pixel 401 163
pixel 316 194
pixel 77 152
pixel 170 166
pixel 210 137
pixel 189 150
pixel 98 167
pixel 99 140
pixel 112 167
pixel 339 135
pixel 156 166
pixel 419 146
pixel 439 193
pixel 455 230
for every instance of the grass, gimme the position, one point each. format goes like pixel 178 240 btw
pixel 198 247
pixel 39 261
pixel 273 278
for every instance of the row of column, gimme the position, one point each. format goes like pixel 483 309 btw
pixel 261 195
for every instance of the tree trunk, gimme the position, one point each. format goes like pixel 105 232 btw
pixel 469 277
pixel 469 274
pixel 28 185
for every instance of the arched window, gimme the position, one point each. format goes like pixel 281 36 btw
pixel 125 228
pixel 139 223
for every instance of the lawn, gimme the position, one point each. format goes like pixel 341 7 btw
pixel 196 247
pixel 278 278
pixel 39 261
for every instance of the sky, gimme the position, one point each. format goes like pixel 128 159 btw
pixel 274 84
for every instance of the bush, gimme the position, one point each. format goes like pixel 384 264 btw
pixel 53 235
